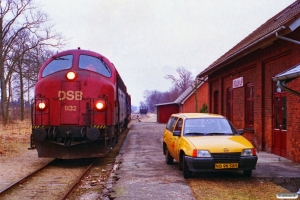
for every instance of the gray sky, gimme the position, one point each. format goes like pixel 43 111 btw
pixel 148 39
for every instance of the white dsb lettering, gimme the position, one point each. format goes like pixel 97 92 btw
pixel 69 95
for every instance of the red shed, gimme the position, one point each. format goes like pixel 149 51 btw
pixel 165 110
pixel 186 102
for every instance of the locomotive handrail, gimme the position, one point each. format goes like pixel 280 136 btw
pixel 35 113
pixel 93 112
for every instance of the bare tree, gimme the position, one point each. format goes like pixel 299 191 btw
pixel 19 19
pixel 152 98
pixel 184 81
pixel 180 85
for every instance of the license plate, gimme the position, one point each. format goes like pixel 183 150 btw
pixel 226 165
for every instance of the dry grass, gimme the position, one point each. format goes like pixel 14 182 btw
pixel 234 188
pixel 14 137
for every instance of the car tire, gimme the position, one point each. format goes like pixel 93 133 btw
pixel 247 173
pixel 180 162
pixel 186 172
pixel 169 158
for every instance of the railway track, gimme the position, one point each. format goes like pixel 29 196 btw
pixel 55 180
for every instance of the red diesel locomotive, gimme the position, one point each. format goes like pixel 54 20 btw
pixel 80 107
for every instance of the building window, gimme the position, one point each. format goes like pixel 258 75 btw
pixel 249 105
pixel 229 104
pixel 216 105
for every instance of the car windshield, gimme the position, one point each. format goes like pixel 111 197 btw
pixel 208 126
pixel 58 64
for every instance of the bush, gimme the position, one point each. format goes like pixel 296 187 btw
pixel 204 108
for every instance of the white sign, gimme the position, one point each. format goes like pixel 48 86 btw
pixel 238 82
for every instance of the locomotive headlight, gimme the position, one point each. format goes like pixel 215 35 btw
pixel 71 76
pixel 100 105
pixel 41 105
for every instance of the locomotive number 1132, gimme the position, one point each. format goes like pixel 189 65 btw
pixel 70 108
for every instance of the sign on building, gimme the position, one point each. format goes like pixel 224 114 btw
pixel 238 82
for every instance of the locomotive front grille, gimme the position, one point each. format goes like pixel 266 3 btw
pixel 226 157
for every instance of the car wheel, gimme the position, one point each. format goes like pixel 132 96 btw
pixel 169 158
pixel 186 172
pixel 247 173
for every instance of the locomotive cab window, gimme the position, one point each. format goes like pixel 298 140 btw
pixel 94 64
pixel 58 64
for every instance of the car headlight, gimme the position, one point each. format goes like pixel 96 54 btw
pixel 249 152
pixel 201 153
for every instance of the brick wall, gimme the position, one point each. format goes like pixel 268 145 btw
pixel 293 122
pixel 189 105
pixel 259 67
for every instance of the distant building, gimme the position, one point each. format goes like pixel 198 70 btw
pixel 184 103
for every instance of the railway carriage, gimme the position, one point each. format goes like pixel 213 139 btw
pixel 80 107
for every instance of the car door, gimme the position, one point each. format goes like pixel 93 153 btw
pixel 175 139
pixel 168 134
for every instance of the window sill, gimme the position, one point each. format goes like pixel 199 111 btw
pixel 249 130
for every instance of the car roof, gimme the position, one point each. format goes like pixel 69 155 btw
pixel 197 115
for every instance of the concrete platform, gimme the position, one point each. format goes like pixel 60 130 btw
pixel 279 170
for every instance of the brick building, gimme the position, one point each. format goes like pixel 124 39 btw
pixel 241 85
pixel 188 104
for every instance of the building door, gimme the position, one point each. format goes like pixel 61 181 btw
pixel 279 132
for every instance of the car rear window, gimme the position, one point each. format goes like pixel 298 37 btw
pixel 171 123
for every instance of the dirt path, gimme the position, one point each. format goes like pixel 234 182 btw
pixel 143 173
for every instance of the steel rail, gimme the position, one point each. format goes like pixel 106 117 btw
pixel 22 180
pixel 72 187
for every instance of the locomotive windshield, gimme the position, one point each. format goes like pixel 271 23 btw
pixel 58 64
pixel 94 64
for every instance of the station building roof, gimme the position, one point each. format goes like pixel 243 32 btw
pixel 283 23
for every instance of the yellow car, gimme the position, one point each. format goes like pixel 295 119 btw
pixel 207 142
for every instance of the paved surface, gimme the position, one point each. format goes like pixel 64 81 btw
pixel 143 173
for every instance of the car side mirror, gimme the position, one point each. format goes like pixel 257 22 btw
pixel 240 131
pixel 176 133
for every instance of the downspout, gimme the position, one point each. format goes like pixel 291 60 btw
pixel 282 85
pixel 287 39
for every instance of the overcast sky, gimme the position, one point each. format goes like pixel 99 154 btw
pixel 148 39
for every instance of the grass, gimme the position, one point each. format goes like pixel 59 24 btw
pixel 14 137
pixel 238 188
